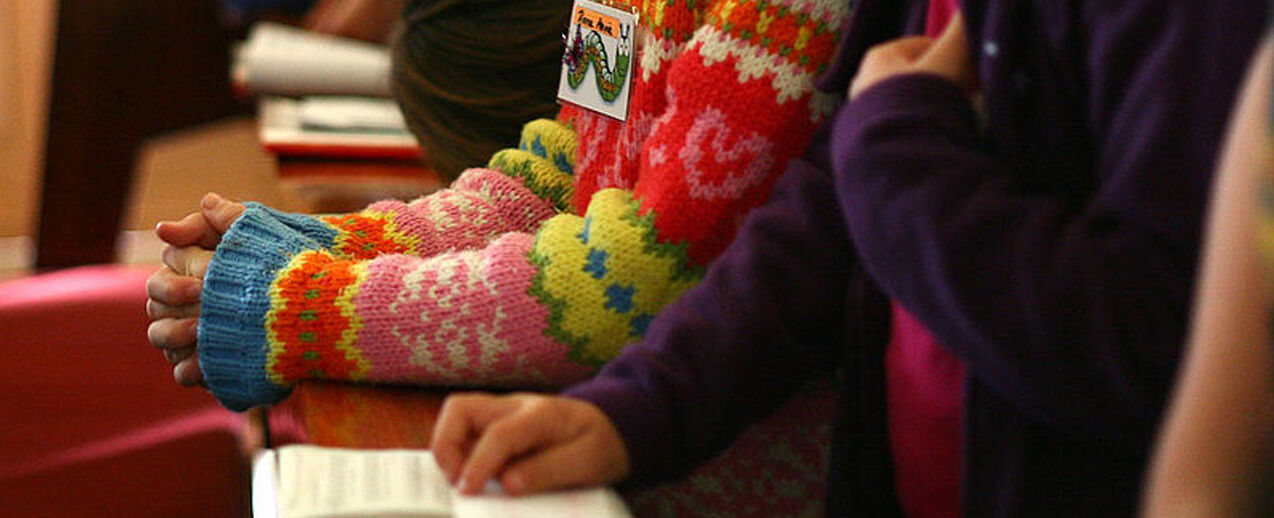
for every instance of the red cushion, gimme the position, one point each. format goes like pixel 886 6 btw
pixel 188 466
pixel 93 406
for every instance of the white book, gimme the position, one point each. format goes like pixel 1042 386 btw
pixel 347 113
pixel 302 481
pixel 283 60
pixel 341 128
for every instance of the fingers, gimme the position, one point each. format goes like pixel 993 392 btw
pixel 171 288
pixel 905 49
pixel 596 457
pixel 174 307
pixel 949 55
pixel 531 443
pixel 369 20
pixel 220 212
pixel 887 60
pixel 190 261
pixel 192 230
pixel 330 17
pixel 462 418
pixel 173 333
pixel 946 56
pixel 187 372
pixel 175 356
pixel 175 289
pixel 204 228
pixel 503 441
pixel 952 37
pixel 156 310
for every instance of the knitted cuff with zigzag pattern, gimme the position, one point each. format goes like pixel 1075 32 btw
pixel 232 341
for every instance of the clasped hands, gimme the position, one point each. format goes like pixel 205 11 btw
pixel 173 292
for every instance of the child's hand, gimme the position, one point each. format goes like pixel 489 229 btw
pixel 947 57
pixel 204 228
pixel 370 20
pixel 532 443
pixel 174 291
pixel 173 305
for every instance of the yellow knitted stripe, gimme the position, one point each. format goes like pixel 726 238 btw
pixel 539 175
pixel 605 277
pixel 552 140
pixel 345 303
pixel 311 324
pixel 369 234
pixel 665 27
pixel 804 33
pixel 671 19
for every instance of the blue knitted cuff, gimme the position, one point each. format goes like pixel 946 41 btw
pixel 309 226
pixel 236 297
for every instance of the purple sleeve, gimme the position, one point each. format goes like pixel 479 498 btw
pixel 767 316
pixel 1071 309
pixel 253 7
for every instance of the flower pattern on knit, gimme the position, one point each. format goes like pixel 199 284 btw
pixel 312 323
pixel 369 234
pixel 711 145
pixel 605 276
pixel 544 161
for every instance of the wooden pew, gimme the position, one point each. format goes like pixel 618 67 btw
pixel 123 71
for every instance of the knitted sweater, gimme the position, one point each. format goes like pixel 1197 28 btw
pixel 538 269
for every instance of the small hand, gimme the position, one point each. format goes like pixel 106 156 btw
pixel 532 443
pixel 370 20
pixel 174 290
pixel 173 305
pixel 946 56
pixel 204 228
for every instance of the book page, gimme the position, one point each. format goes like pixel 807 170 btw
pixel 317 482
pixel 282 132
pixel 331 482
pixel 264 492
pixel 579 503
pixel 345 113
pixel 278 59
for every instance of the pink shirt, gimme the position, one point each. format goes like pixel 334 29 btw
pixel 925 394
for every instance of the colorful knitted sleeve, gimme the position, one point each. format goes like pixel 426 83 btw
pixel 716 115
pixel 479 206
pixel 658 199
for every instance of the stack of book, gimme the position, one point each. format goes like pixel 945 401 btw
pixel 324 111
pixel 322 95
pixel 337 127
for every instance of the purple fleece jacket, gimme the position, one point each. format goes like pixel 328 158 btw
pixel 1050 243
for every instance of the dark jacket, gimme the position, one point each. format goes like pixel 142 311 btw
pixel 1050 243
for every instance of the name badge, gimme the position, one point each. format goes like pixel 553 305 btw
pixel 597 68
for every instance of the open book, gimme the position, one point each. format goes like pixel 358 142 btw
pixel 342 127
pixel 301 481
pixel 282 60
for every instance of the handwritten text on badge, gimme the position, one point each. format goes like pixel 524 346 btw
pixel 597 67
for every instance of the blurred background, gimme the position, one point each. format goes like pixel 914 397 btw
pixel 221 154
pixel 26 37
pixel 114 115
